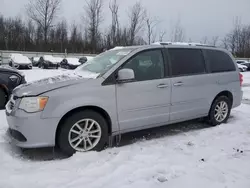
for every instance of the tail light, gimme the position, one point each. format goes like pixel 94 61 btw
pixel 241 79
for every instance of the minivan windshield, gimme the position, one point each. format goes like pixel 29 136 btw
pixel 101 63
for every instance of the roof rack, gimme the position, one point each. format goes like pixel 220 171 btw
pixel 183 43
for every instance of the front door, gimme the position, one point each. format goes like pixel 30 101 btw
pixel 144 102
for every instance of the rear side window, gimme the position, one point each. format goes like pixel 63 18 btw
pixel 186 61
pixel 219 61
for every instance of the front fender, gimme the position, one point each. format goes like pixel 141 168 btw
pixel 57 109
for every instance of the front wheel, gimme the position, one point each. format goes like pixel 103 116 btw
pixel 220 111
pixel 84 131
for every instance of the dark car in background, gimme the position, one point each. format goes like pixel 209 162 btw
pixel 70 63
pixel 9 79
pixel 19 61
pixel 49 61
pixel 84 59
pixel 35 61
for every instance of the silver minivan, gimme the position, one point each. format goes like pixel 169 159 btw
pixel 123 90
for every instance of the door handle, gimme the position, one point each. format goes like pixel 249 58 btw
pixel 162 86
pixel 178 84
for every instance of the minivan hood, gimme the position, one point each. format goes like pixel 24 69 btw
pixel 48 84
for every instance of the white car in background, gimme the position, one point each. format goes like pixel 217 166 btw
pixel 35 61
pixel 242 68
pixel 49 61
pixel 244 62
pixel 20 61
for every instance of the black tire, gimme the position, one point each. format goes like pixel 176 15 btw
pixel 211 117
pixel 3 99
pixel 63 132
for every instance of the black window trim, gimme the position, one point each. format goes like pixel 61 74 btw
pixel 111 79
pixel 194 74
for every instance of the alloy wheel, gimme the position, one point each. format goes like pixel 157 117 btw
pixel 84 135
pixel 221 111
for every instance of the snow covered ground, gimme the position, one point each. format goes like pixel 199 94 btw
pixel 183 155
pixel 246 84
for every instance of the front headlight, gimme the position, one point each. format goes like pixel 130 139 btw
pixel 33 104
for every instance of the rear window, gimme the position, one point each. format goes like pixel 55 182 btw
pixel 219 61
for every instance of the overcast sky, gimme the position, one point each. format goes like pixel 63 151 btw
pixel 199 17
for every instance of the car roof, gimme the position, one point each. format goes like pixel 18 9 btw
pixel 175 45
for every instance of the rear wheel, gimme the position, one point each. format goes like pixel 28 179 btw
pixel 83 131
pixel 220 110
pixel 3 99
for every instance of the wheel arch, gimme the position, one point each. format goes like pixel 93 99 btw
pixel 224 93
pixel 5 89
pixel 97 109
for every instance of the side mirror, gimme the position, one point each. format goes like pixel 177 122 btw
pixel 125 75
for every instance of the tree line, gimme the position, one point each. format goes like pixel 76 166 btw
pixel 43 31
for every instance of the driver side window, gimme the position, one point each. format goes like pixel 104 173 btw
pixel 147 65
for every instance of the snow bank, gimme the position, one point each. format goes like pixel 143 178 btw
pixel 246 86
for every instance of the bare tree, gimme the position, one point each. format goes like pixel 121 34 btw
pixel 224 42
pixel 151 24
pixel 93 18
pixel 178 33
pixel 43 12
pixel 114 8
pixel 204 40
pixel 161 35
pixel 61 35
pixel 215 40
pixel 136 18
